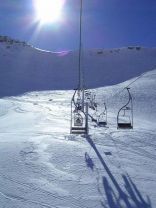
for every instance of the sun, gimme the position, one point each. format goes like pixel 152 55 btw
pixel 49 11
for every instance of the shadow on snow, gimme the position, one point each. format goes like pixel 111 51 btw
pixel 117 197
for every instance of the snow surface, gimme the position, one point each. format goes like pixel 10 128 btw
pixel 43 166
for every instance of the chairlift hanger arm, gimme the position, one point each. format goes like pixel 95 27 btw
pixel 73 98
pixel 129 99
pixel 105 107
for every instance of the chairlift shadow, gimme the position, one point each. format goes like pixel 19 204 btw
pixel 89 161
pixel 116 196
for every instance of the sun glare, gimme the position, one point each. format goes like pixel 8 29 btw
pixel 49 11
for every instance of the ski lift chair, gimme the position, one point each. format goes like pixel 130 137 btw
pixel 79 123
pixel 90 99
pixel 102 121
pixel 102 118
pixel 93 103
pixel 125 114
pixel 79 119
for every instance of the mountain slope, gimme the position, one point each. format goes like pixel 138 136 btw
pixel 43 166
pixel 25 68
pixel 142 89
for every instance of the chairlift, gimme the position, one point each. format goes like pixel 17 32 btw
pixel 93 103
pixel 90 99
pixel 102 118
pixel 92 106
pixel 125 114
pixel 79 115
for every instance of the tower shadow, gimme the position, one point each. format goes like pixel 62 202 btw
pixel 117 196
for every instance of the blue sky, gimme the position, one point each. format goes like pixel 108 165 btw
pixel 106 24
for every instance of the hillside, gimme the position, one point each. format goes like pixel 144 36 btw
pixel 25 68
pixel 42 165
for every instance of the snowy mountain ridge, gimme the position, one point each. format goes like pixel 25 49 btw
pixel 25 68
pixel 9 41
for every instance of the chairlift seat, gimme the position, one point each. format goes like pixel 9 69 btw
pixel 125 126
pixel 79 130
pixel 94 120
pixel 102 123
pixel 88 98
pixel 92 107
pixel 126 108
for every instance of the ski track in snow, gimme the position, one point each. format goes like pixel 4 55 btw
pixel 42 165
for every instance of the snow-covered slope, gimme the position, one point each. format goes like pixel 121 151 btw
pixel 41 165
pixel 24 68
pixel 143 89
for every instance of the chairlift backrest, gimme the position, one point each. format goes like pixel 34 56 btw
pixel 78 120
